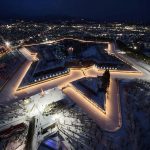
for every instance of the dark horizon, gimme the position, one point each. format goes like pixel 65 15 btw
pixel 133 11
pixel 75 20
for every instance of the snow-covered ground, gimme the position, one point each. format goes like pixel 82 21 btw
pixel 91 87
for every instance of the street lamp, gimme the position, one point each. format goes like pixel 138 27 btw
pixel 7 44
pixel 56 117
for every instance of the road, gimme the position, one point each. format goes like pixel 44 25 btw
pixel 109 119
pixel 138 65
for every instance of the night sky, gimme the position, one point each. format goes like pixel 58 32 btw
pixel 100 10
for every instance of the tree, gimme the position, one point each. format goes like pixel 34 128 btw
pixel 105 80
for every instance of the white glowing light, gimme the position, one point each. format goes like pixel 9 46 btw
pixel 55 117
pixel 7 44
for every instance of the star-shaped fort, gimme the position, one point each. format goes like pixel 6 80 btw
pixel 65 93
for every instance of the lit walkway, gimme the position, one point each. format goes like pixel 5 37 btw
pixel 109 119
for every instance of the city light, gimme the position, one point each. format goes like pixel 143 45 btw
pixel 55 117
pixel 58 86
pixel 7 43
